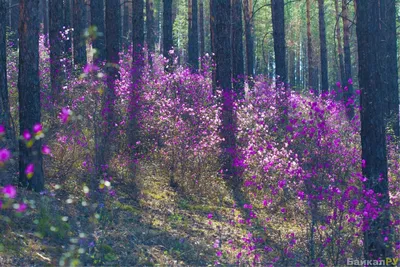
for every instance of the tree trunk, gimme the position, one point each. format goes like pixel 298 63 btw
pixel 56 49
pixel 237 48
pixel 347 92
pixel 137 68
pixel 45 9
pixel 125 26
pixel 223 76
pixel 5 116
pixel 323 52
pixel 213 13
pixel 150 37
pixel 310 55
pixel 248 26
pixel 298 72
pixel 201 28
pixel 80 57
pixel 339 43
pixel 14 21
pixel 373 135
pixel 29 96
pixel 97 19
pixel 388 62
pixel 68 24
pixel 112 36
pixel 193 30
pixel 167 29
pixel 278 25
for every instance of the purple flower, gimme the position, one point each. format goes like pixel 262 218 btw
pixel 22 207
pixel 5 155
pixel 27 135
pixel 46 150
pixel 9 191
pixel 37 128
pixel 2 130
pixel 29 170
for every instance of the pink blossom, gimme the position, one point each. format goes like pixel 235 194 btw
pixel 27 135
pixel 29 170
pixel 37 128
pixel 64 115
pixel 5 155
pixel 22 207
pixel 46 150
pixel 9 191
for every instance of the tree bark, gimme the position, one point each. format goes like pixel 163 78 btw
pixel 68 24
pixel 5 115
pixel 29 94
pixel 373 135
pixel 237 48
pixel 339 43
pixel 167 29
pixel 201 28
pixel 113 36
pixel 150 37
pixel 312 83
pixel 56 48
pixel 278 25
pixel 79 41
pixel 97 19
pixel 224 81
pixel 45 8
pixel 125 26
pixel 14 21
pixel 248 26
pixel 388 62
pixel 193 30
pixel 323 49
pixel 347 92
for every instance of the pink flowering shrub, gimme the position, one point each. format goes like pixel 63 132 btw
pixel 302 174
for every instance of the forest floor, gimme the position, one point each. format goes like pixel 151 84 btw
pixel 164 228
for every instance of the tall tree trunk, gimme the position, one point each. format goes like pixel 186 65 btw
pixel 68 26
pixel 278 25
pixel 150 37
pixel 388 62
pixel 373 136
pixel 167 29
pixel 14 21
pixel 5 116
pixel 56 48
pixel 45 8
pixel 97 19
pixel 312 71
pixel 248 27
pixel 29 96
pixel 125 26
pixel 138 40
pixel 298 72
pixel 193 42
pixel 292 67
pixel 348 92
pixel 201 28
pixel 80 57
pixel 113 36
pixel 237 48
pixel 339 43
pixel 323 52
pixel 223 76
pixel 213 13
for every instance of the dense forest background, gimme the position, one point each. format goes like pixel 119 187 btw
pixel 199 132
